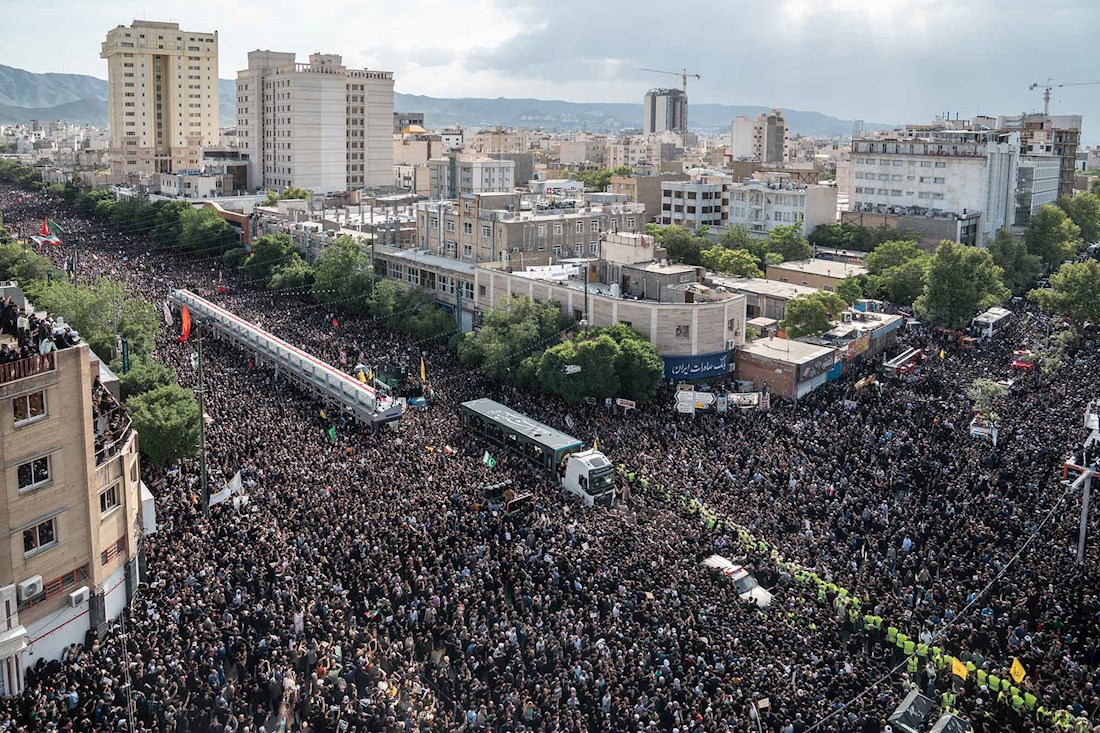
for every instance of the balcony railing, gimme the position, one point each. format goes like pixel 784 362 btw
pixel 29 367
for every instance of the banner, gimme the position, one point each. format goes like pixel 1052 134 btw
pixel 230 488
pixel 702 366
pixel 959 669
pixel 744 400
pixel 1017 671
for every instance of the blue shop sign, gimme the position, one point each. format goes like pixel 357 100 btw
pixel 701 366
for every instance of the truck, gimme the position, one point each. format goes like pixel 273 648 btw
pixel 747 588
pixel 586 474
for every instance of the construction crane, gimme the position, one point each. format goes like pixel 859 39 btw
pixel 1052 84
pixel 682 73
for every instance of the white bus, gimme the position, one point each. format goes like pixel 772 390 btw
pixel 988 324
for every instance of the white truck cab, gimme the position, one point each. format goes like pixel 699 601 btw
pixel 747 588
pixel 589 475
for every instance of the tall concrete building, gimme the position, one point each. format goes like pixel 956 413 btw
pixel 319 126
pixel 764 138
pixel 1043 134
pixel 665 110
pixel 162 96
pixel 72 507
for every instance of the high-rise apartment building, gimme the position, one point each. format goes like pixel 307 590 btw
pixel 1043 134
pixel 71 506
pixel 764 138
pixel 665 110
pixel 162 96
pixel 319 126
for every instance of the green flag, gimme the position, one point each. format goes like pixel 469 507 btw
pixel 488 460
pixel 332 433
pixel 54 227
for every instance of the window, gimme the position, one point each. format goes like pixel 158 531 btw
pixel 434 222
pixel 557 250
pixel 731 324
pixel 108 499
pixel 558 230
pixel 578 250
pixel 468 291
pixel 467 227
pixel 467 251
pixel 595 226
pixel 897 162
pixel 40 536
pixel 593 248
pixel 28 407
pixel 450 225
pixel 895 192
pixel 33 474
pixel 486 231
pixel 542 230
pixel 938 180
pixel 630 222
pixel 683 332
pixel 941 164
pixel 926 164
pixel 481 291
pixel 450 248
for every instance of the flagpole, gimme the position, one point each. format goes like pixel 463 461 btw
pixel 204 487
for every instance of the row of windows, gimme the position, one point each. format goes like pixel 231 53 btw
pixel 898 163
pixel 898 192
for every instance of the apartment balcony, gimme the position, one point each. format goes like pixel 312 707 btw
pixel 30 367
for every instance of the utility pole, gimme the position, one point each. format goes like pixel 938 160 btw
pixel 1085 480
pixel 204 487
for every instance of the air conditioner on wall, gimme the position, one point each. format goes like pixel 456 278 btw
pixel 30 588
pixel 79 596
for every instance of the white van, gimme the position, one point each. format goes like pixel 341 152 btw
pixel 747 588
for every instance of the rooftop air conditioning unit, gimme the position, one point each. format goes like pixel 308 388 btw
pixel 30 588
pixel 79 596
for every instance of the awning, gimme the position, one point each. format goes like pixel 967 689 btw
pixel 148 510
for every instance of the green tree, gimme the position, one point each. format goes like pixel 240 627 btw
pixel 738 236
pixel 1052 236
pixel 1021 268
pixel 985 393
pixel 202 230
pixel 597 378
pixel 640 369
pixel 386 299
pixel 342 274
pixel 891 254
pixel 737 262
pixel 682 245
pixel 22 265
pixel 788 242
pixel 850 289
pixel 1074 291
pixel 144 376
pixel 901 284
pixel 167 222
pixel 961 281
pixel 1084 211
pixel 294 273
pixel 167 419
pixel 773 258
pixel 517 328
pixel 287 194
pixel 235 257
pixel 811 314
pixel 600 179
pixel 1094 186
pixel 268 252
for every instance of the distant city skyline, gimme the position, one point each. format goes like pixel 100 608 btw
pixel 877 60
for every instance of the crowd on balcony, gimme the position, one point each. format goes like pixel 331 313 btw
pixel 361 587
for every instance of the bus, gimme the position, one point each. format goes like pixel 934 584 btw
pixel 990 323
pixel 557 456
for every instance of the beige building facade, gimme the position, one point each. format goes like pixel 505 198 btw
pixel 72 508
pixel 162 96
pixel 318 125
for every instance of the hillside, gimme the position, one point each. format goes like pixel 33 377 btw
pixel 79 98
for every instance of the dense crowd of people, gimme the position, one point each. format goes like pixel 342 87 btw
pixel 363 585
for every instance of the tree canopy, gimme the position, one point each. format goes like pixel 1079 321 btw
pixel 1084 211
pixel 1021 268
pixel 1052 236
pixel 812 314
pixel 898 271
pixel 739 262
pixel 167 419
pixel 961 281
pixel 288 193
pixel 517 328
pixel 599 180
pixel 788 242
pixel 1074 291
pixel 863 239
pixel 342 274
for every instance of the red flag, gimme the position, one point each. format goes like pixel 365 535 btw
pixel 45 230
pixel 334 323
pixel 185 325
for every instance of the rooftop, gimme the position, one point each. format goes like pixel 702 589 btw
pixel 427 257
pixel 763 286
pixel 826 268
pixel 792 352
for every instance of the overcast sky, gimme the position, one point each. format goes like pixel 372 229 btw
pixel 878 60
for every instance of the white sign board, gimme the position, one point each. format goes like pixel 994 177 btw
pixel 688 408
pixel 628 404
pixel 572 368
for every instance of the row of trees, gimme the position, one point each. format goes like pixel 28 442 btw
pixel 530 344
pixel 600 179
pixel 862 239
pixel 736 252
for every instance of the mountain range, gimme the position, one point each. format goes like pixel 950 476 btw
pixel 79 98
